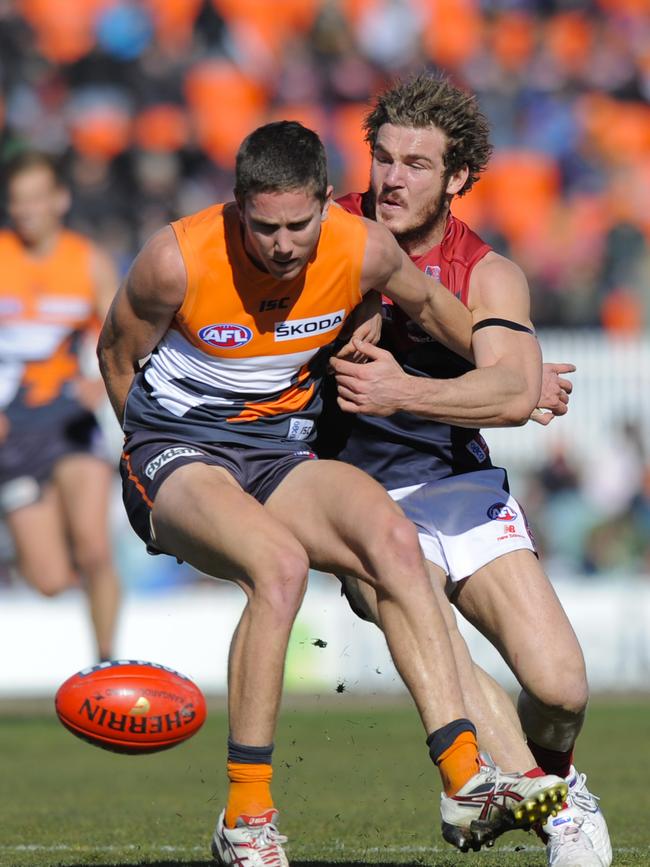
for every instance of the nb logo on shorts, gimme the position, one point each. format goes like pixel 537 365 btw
pixel 501 512
pixel 165 457
pixel 226 335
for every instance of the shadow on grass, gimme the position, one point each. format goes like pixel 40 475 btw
pixel 212 864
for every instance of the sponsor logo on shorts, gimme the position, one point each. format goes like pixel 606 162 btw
pixel 501 512
pixel 165 457
pixel 226 335
pixel 296 329
pixel 300 428
pixel 475 449
pixel 510 532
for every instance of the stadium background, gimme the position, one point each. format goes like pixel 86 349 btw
pixel 146 102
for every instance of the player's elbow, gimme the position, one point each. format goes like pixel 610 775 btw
pixel 101 358
pixel 520 397
pixel 517 410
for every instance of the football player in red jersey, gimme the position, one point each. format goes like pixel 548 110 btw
pixel 417 409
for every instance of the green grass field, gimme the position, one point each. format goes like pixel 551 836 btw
pixel 352 779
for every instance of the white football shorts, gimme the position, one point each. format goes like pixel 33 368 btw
pixel 465 521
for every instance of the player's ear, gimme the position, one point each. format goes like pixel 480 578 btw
pixel 326 205
pixel 456 182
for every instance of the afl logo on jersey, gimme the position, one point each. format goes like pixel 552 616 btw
pixel 501 512
pixel 226 335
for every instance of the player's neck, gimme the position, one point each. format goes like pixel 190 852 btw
pixel 420 243
pixel 40 248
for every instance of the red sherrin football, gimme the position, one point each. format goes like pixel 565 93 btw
pixel 131 707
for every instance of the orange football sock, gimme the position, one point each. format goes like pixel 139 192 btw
pixel 249 793
pixel 459 762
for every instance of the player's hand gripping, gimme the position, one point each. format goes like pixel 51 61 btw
pixel 375 388
pixel 554 399
pixel 364 325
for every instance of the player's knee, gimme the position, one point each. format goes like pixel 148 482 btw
pixel 92 557
pixel 395 549
pixel 49 582
pixel 279 580
pixel 563 693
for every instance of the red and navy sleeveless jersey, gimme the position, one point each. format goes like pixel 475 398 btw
pixel 405 449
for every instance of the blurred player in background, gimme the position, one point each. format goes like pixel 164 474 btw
pixel 234 305
pixel 55 479
pixel 417 409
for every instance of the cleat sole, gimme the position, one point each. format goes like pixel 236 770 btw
pixel 477 835
pixel 546 803
pixel 480 833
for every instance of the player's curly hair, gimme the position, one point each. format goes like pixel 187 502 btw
pixel 426 100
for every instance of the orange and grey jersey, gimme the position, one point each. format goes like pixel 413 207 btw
pixel 46 306
pixel 245 354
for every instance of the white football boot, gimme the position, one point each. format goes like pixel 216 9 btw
pixel 568 845
pixel 582 811
pixel 491 803
pixel 254 842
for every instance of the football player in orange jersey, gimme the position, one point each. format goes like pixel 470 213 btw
pixel 415 429
pixel 234 307
pixel 55 479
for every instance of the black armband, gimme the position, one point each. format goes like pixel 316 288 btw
pixel 503 323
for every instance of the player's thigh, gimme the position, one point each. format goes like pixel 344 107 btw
pixel 513 603
pixel 84 483
pixel 344 519
pixel 202 515
pixel 39 535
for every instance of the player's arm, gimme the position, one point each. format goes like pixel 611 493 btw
pixel 502 391
pixel 140 314
pixel 388 269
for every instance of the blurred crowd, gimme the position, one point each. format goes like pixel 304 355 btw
pixel 147 101
pixel 594 518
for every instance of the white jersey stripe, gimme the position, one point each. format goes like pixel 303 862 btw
pixel 31 341
pixel 254 377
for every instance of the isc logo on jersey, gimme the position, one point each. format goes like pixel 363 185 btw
pixel 295 329
pixel 226 335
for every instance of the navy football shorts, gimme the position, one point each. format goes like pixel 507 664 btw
pixel 149 458
pixel 28 456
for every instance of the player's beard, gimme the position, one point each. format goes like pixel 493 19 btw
pixel 426 223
